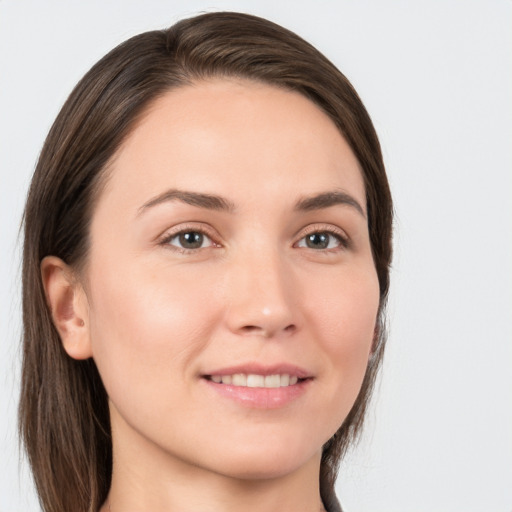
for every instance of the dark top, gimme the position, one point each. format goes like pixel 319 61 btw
pixel 332 504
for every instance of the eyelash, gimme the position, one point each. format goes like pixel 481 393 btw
pixel 336 233
pixel 202 230
pixel 330 231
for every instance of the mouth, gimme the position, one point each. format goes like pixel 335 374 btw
pixel 260 387
pixel 254 380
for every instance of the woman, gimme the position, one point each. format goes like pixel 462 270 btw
pixel 207 247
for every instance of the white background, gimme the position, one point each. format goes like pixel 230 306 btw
pixel 436 76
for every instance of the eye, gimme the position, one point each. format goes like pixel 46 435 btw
pixel 322 240
pixel 189 240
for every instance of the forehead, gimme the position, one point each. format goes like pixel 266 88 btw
pixel 228 137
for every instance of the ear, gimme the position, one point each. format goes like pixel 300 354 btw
pixel 69 308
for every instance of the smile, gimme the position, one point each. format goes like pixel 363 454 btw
pixel 259 386
pixel 252 380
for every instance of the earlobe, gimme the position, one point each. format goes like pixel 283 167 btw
pixel 68 305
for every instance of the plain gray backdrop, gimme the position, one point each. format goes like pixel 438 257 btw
pixel 436 77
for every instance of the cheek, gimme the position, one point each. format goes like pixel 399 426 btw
pixel 146 324
pixel 347 303
pixel 346 316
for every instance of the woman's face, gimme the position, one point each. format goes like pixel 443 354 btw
pixel 230 255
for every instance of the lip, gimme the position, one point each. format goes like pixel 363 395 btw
pixel 260 398
pixel 260 369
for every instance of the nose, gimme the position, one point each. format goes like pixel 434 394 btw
pixel 261 296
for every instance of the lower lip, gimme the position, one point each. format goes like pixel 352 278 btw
pixel 261 398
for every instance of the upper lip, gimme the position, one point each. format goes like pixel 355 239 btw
pixel 261 369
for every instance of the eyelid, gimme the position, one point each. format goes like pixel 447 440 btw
pixel 202 228
pixel 325 228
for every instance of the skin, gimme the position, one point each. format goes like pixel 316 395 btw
pixel 157 318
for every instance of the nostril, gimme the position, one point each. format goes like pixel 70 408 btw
pixel 267 332
pixel 251 328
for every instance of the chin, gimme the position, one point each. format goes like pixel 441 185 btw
pixel 267 461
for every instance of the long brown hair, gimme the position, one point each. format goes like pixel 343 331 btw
pixel 63 411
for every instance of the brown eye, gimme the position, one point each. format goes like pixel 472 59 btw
pixel 190 240
pixel 317 241
pixel 321 240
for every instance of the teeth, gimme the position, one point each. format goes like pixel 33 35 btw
pixel 239 379
pixel 256 381
pixel 272 381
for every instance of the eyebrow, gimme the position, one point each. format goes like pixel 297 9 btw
pixel 207 201
pixel 218 203
pixel 328 199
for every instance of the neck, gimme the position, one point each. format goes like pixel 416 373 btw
pixel 146 480
pixel 250 497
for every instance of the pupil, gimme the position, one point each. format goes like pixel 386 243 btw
pixel 317 241
pixel 191 240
